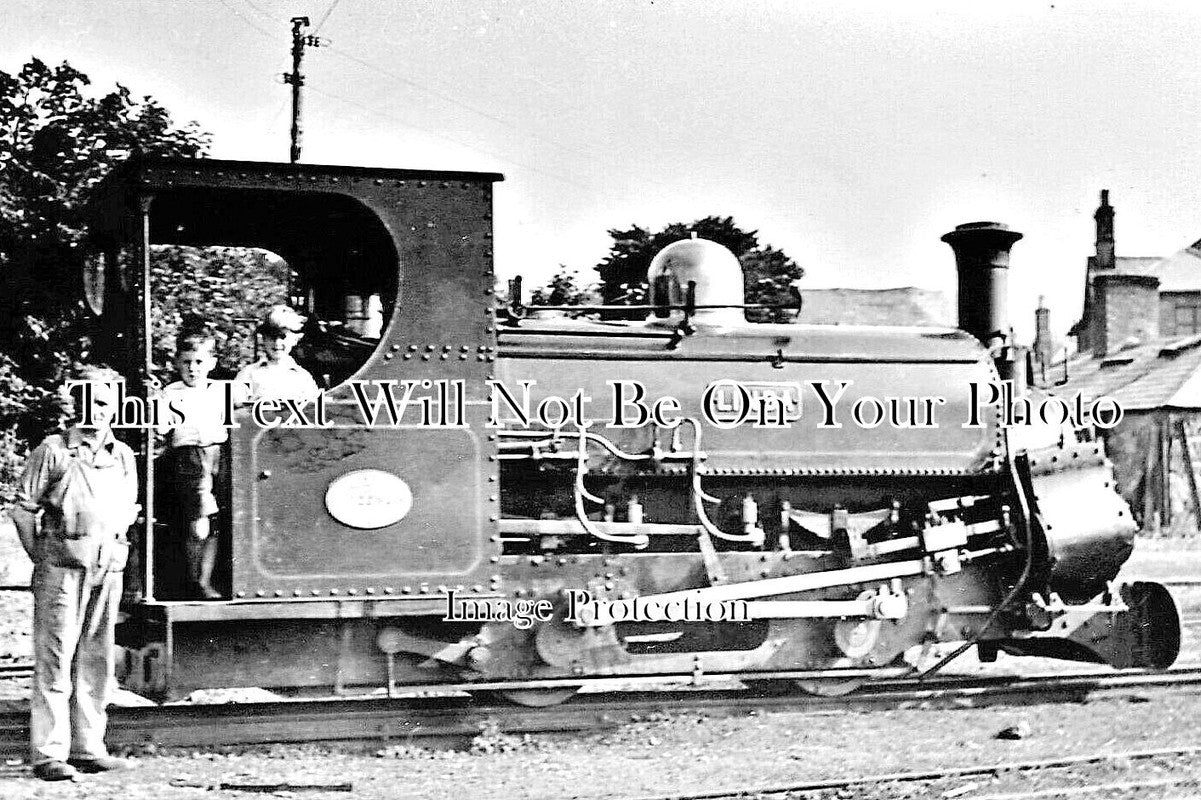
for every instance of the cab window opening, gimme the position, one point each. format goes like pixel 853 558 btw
pixel 225 261
pixel 228 256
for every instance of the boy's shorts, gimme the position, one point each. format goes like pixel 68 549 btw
pixel 193 469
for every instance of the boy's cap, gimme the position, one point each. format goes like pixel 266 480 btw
pixel 279 320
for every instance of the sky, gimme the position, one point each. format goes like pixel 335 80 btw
pixel 851 135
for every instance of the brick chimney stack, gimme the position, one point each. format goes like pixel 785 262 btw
pixel 1044 347
pixel 1125 307
pixel 1105 248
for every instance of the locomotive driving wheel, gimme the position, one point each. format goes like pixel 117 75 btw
pixel 820 687
pixel 537 698
pixel 830 687
pixel 857 641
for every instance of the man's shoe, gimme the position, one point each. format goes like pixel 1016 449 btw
pixel 99 764
pixel 54 771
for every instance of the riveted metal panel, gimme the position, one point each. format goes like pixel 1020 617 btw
pixel 290 542
pixel 875 363
pixel 434 229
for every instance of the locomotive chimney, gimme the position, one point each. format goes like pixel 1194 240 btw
pixel 982 261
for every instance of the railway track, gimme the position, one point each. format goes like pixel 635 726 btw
pixel 1179 581
pixel 441 720
pixel 430 720
pixel 936 775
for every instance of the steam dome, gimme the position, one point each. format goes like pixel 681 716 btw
pixel 717 274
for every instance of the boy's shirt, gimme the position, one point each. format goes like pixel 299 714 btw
pixel 110 466
pixel 203 408
pixel 286 379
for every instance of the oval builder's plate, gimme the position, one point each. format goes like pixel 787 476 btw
pixel 368 499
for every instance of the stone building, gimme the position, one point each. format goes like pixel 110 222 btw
pixel 1139 342
pixel 1130 299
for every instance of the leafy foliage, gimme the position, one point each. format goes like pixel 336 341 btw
pixel 56 143
pixel 12 459
pixel 228 288
pixel 564 289
pixel 58 138
pixel 17 397
pixel 769 273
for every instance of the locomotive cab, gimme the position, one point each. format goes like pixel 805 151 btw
pixel 391 268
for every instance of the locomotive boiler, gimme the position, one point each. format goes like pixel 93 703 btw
pixel 503 500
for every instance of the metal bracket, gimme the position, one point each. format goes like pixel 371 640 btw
pixel 713 567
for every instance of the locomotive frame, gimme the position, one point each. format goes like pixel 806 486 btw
pixel 856 545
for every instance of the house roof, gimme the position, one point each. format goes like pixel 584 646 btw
pixel 1128 265
pixel 1181 272
pixel 906 305
pixel 1160 375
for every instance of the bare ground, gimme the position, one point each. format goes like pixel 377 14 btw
pixel 689 754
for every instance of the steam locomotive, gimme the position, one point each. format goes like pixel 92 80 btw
pixel 547 480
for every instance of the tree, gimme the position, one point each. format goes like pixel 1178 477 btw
pixel 768 273
pixel 228 288
pixel 564 289
pixel 57 140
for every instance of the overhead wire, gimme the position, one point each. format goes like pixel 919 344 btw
pixel 582 154
pixel 249 21
pixel 324 17
pixel 272 36
pixel 369 65
pixel 443 95
pixel 283 104
pixel 439 134
pixel 260 10
pixel 425 89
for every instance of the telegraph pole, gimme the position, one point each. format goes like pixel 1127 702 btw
pixel 299 40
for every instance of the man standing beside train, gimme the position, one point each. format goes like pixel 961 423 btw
pixel 77 498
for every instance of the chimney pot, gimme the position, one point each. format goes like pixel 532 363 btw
pixel 1106 257
pixel 1044 345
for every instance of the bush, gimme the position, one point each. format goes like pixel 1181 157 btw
pixel 17 399
pixel 12 460
pixel 228 288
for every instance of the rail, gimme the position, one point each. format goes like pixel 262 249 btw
pixel 929 776
pixel 440 719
